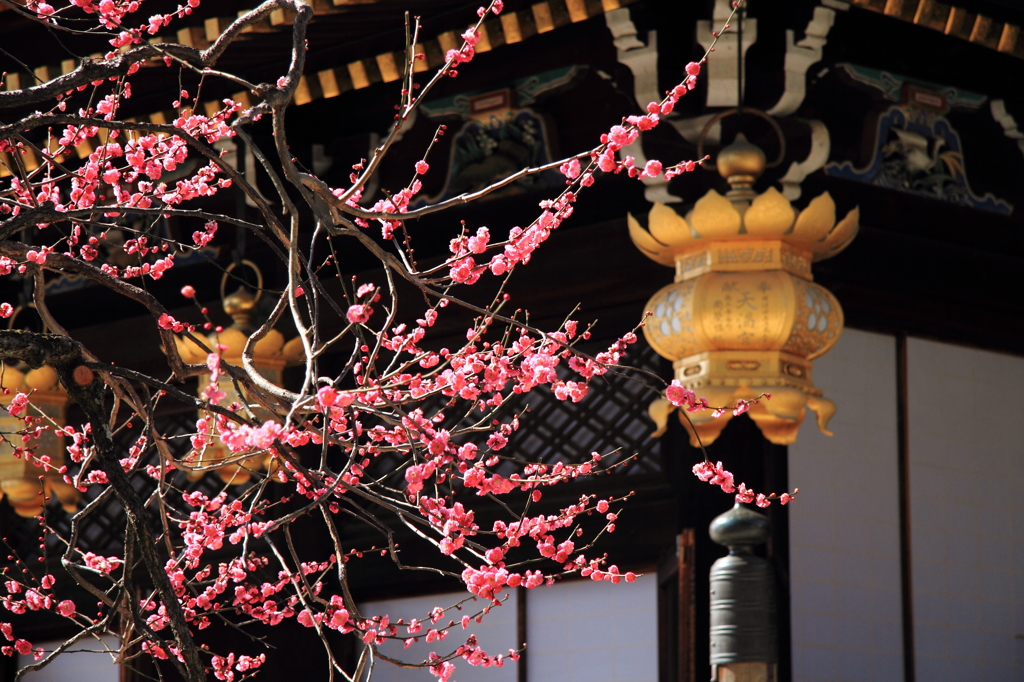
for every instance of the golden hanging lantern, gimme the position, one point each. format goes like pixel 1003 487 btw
pixel 270 356
pixel 743 316
pixel 25 485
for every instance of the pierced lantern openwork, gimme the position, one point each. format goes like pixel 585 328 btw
pixel 271 355
pixel 743 316
pixel 25 484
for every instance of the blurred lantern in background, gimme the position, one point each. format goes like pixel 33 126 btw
pixel 270 356
pixel 32 438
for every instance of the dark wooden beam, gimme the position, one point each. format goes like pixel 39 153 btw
pixel 903 481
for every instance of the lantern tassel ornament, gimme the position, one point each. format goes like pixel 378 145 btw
pixel 743 316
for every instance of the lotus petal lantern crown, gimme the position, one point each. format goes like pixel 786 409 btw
pixel 743 316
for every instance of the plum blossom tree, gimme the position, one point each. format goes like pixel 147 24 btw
pixel 404 436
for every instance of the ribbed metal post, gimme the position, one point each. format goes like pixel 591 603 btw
pixel 743 636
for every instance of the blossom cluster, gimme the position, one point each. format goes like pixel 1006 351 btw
pixel 418 430
pixel 21 598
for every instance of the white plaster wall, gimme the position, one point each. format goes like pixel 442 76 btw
pixel 844 526
pixel 967 517
pixel 586 631
pixel 577 631
pixel 496 633
pixel 85 661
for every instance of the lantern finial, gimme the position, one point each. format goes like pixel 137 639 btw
pixel 239 306
pixel 741 164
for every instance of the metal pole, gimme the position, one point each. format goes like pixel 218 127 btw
pixel 743 628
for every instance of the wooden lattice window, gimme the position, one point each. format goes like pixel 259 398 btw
pixel 612 418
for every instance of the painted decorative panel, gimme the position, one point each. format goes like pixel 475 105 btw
pixel 916 149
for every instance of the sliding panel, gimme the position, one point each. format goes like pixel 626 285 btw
pixel 967 519
pixel 587 631
pixel 496 634
pixel 844 526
